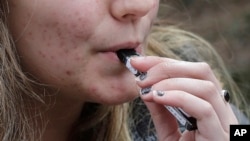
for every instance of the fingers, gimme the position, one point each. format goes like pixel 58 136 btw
pixel 200 80
pixel 191 86
pixel 205 90
pixel 165 68
pixel 207 119
pixel 165 124
pixel 144 66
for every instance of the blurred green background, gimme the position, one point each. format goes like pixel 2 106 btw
pixel 224 23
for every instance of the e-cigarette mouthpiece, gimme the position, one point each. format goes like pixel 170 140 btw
pixel 124 55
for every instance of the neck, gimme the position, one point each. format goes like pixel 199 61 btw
pixel 60 118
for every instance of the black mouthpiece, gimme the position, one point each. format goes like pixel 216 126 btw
pixel 124 54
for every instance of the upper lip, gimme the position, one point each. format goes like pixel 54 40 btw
pixel 127 45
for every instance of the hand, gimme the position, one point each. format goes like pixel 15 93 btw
pixel 190 86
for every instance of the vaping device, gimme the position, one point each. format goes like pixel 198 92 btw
pixel 124 56
pixel 183 118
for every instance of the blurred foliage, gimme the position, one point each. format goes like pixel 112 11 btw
pixel 224 23
pixel 239 30
pixel 240 78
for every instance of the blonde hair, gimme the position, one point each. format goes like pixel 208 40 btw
pixel 16 90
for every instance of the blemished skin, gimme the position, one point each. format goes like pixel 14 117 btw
pixel 74 44
pixel 71 45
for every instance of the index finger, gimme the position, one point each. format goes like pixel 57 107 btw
pixel 144 63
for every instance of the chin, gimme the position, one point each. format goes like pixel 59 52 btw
pixel 111 97
pixel 111 91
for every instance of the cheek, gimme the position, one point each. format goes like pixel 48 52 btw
pixel 75 26
pixel 76 19
pixel 52 62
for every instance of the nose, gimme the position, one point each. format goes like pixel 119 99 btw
pixel 131 9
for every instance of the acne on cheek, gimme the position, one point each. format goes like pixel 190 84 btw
pixel 43 55
pixel 46 56
pixel 93 89
pixel 58 40
pixel 65 31
pixel 77 23
pixel 68 73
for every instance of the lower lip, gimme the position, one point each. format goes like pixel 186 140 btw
pixel 111 56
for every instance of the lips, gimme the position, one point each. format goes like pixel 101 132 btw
pixel 128 45
pixel 110 52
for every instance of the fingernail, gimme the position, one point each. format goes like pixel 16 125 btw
pixel 145 91
pixel 143 76
pixel 159 93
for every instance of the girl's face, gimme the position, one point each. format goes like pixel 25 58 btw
pixel 71 44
